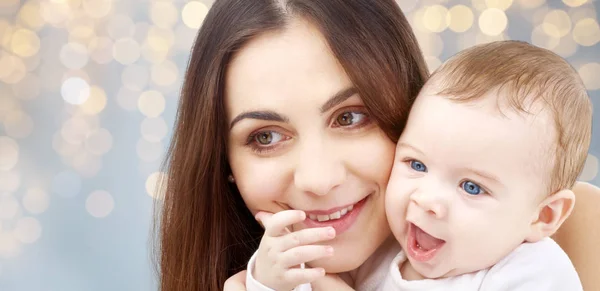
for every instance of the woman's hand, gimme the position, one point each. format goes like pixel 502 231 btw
pixel 281 251
pixel 236 282
pixel 579 236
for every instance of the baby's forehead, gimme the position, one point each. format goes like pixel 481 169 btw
pixel 485 126
pixel 499 101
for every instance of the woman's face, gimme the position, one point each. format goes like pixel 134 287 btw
pixel 301 138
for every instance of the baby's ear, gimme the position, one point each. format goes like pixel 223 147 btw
pixel 551 214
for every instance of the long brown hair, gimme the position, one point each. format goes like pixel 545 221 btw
pixel 206 233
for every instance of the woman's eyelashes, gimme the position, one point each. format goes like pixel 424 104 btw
pixel 266 140
pixel 351 119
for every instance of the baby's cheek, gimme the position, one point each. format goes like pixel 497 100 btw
pixel 397 199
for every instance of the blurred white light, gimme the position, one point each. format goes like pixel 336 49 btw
pixel 99 142
pixel 9 153
pixel 153 182
pixel 28 230
pixel 75 90
pixel 36 200
pixel 99 204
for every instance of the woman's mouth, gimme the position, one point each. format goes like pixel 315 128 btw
pixel 340 218
pixel 331 216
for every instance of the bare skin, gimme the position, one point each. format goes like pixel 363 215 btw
pixel 579 236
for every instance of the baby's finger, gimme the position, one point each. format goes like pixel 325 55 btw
pixel 303 254
pixel 262 217
pixel 276 224
pixel 306 236
pixel 303 276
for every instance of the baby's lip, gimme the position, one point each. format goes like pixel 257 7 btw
pixel 423 229
pixel 420 245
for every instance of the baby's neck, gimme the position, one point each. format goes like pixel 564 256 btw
pixel 408 272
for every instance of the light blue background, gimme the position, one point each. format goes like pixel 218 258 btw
pixel 77 251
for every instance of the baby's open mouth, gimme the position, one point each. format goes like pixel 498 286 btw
pixel 421 245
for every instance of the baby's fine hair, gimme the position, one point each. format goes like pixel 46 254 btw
pixel 525 74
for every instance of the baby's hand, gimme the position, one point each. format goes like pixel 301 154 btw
pixel 281 252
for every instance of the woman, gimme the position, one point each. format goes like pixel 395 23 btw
pixel 288 105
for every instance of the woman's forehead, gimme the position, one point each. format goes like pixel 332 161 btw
pixel 285 68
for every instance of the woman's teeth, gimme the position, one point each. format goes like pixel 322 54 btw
pixel 336 215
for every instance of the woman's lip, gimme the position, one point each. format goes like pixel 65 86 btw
pixel 331 210
pixel 342 224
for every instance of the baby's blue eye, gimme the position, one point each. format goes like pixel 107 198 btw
pixel 418 166
pixel 471 188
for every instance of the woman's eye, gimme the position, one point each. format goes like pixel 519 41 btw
pixel 418 166
pixel 349 118
pixel 266 141
pixel 345 119
pixel 266 138
pixel 471 188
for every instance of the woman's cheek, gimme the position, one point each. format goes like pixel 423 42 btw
pixel 372 157
pixel 262 183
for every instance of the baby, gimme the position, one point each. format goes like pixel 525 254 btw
pixel 483 172
pixel 482 176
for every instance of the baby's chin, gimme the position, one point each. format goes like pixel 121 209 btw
pixel 446 272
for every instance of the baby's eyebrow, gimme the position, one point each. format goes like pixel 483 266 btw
pixel 488 176
pixel 406 145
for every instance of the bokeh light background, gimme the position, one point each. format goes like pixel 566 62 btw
pixel 88 94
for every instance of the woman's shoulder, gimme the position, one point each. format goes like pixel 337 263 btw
pixel 579 236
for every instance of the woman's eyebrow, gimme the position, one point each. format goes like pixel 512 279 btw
pixel 338 98
pixel 261 115
pixel 269 115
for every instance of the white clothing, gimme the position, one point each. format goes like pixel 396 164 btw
pixel 367 277
pixel 542 266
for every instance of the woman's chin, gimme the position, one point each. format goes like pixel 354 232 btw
pixel 338 263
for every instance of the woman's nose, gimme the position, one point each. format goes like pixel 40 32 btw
pixel 319 170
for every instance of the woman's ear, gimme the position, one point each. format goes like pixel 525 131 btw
pixel 551 214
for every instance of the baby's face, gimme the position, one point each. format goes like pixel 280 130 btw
pixel 466 183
